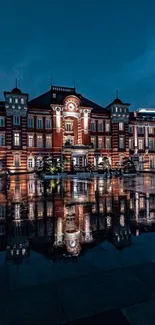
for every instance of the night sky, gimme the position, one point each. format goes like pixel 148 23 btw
pixel 104 45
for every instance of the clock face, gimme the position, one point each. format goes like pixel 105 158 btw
pixel 71 106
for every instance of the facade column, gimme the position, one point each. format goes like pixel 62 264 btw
pixel 147 206
pixel 137 206
pixel 135 139
pixel 146 137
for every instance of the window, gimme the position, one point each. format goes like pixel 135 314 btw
pixel 22 100
pixel 48 123
pixel 121 142
pixel 16 120
pixel 48 141
pixel 130 143
pixel 30 121
pixel 30 140
pixel 93 140
pixel 100 126
pixel 121 126
pixel 2 140
pixel 39 141
pixel 151 130
pixel 107 126
pixel 16 100
pixel 93 125
pixel 10 100
pixel 39 123
pixel 30 162
pixel 140 129
pixel 54 95
pixel 2 121
pixel 100 142
pixel 68 126
pixel 140 144
pixel 108 142
pixel 17 160
pixel 130 129
pixel 151 143
pixel 16 139
pixel 116 109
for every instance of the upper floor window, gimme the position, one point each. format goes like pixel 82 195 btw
pixel 39 123
pixel 140 129
pixel 30 121
pixel 10 100
pixel 130 129
pixel 140 144
pixel 151 143
pixel 2 121
pixel 68 126
pixel 39 141
pixel 121 142
pixel 130 143
pixel 48 123
pixel 100 142
pixel 17 160
pixel 16 120
pixel 107 126
pixel 151 130
pixel 121 126
pixel 16 100
pixel 16 139
pixel 48 141
pixel 100 126
pixel 2 140
pixel 108 143
pixel 93 125
pixel 116 109
pixel 93 141
pixel 22 100
pixel 30 140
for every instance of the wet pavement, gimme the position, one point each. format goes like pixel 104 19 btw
pixel 77 252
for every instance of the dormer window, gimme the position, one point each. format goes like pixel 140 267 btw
pixel 10 100
pixel 16 100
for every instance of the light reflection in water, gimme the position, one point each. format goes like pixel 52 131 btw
pixel 67 216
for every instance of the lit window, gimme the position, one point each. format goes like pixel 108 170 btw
pixel 151 143
pixel 17 160
pixel 2 140
pixel 40 209
pixel 151 130
pixel 48 123
pixel 93 125
pixel 108 143
pixel 100 142
pixel 16 139
pixel 30 122
pixel 10 100
pixel 48 141
pixel 49 209
pixel 30 140
pixel 39 123
pixel 100 126
pixel 130 143
pixel 30 162
pixel 140 144
pixel 107 126
pixel 116 109
pixel 121 142
pixel 39 141
pixel 93 141
pixel 2 121
pixel 121 126
pixel 22 100
pixel 142 203
pixel 16 100
pixel 16 120
pixel 68 126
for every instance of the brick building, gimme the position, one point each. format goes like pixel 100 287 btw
pixel 62 123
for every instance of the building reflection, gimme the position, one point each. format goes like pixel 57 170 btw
pixel 66 217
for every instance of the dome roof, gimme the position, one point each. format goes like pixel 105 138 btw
pixel 16 91
pixel 117 101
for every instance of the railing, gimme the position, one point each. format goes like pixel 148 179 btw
pixel 78 146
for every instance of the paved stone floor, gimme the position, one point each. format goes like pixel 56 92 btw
pixel 104 286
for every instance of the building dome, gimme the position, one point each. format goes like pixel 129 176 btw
pixel 117 101
pixel 16 91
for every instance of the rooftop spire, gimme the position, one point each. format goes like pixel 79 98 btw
pixel 16 83
pixel 117 93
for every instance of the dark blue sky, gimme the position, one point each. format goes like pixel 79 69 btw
pixel 105 45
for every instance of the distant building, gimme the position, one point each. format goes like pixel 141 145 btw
pixel 62 123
